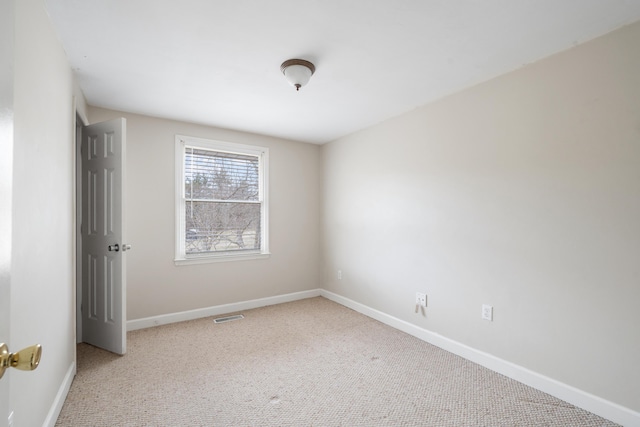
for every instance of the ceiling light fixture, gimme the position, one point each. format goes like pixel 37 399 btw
pixel 297 72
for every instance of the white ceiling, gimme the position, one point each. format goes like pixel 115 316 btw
pixel 217 62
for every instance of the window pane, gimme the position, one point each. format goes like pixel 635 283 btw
pixel 212 175
pixel 222 226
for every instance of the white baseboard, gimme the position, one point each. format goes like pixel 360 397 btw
pixel 61 396
pixel 164 319
pixel 589 402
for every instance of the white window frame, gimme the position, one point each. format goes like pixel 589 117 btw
pixel 181 257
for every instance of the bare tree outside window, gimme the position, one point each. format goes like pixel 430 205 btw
pixel 222 201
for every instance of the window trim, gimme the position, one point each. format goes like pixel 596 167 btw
pixel 181 257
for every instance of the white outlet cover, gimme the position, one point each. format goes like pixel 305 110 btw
pixel 487 312
pixel 421 299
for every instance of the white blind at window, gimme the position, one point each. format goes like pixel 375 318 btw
pixel 222 201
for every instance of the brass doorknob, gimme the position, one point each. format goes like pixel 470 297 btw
pixel 26 359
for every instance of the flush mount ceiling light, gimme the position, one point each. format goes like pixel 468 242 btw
pixel 297 72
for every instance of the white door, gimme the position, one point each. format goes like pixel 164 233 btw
pixel 6 185
pixel 103 244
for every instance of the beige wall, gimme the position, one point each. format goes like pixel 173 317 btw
pixel 41 246
pixel 155 285
pixel 523 193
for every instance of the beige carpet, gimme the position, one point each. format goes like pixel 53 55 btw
pixel 306 363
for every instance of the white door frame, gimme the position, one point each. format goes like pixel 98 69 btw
pixel 77 241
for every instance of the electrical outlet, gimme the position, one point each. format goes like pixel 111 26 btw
pixel 487 312
pixel 339 274
pixel 421 299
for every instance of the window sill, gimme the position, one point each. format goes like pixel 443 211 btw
pixel 220 258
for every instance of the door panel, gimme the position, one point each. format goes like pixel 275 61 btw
pixel 103 275
pixel 6 186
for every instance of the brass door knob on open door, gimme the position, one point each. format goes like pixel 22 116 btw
pixel 26 359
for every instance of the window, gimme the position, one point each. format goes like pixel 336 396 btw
pixel 221 201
